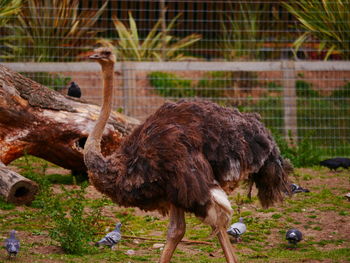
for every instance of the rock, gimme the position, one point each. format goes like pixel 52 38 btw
pixel 157 245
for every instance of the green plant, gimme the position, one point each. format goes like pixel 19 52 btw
pixel 8 9
pixel 241 30
pixel 305 154
pixel 304 89
pixel 157 45
pixel 52 30
pixel 214 85
pixel 342 93
pixel 74 226
pixel 170 85
pixel 327 22
pixel 5 205
pixel 52 81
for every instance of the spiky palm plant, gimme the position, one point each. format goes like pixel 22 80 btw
pixel 8 8
pixel 157 45
pixel 242 34
pixel 326 22
pixel 49 30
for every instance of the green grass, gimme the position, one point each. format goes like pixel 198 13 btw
pixel 263 242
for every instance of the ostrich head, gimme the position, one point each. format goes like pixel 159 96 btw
pixel 103 55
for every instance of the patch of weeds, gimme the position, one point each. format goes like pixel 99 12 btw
pixel 304 89
pixel 343 92
pixel 73 226
pixel 305 154
pixel 267 210
pixel 149 218
pixel 5 205
pixel 272 86
pixel 317 228
pixel 312 216
pixel 170 85
pixel 307 177
pixel 214 84
pixel 125 215
pixel 246 213
pixel 343 213
pixel 60 179
pixel 276 216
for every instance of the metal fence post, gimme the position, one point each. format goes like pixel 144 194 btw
pixel 289 102
pixel 129 85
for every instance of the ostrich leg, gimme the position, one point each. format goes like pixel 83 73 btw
pixel 226 246
pixel 176 231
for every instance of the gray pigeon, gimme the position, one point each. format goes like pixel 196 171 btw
pixel 237 229
pixel 12 244
pixel 294 188
pixel 112 238
pixel 294 236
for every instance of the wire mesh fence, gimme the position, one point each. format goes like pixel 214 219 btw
pixel 198 31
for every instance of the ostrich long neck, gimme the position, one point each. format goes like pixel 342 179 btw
pixel 92 147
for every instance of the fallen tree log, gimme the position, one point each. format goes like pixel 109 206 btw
pixel 16 188
pixel 38 121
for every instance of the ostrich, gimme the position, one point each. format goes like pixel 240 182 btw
pixel 184 158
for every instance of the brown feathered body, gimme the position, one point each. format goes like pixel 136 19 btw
pixel 186 149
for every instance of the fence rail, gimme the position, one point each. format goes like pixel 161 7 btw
pixel 181 66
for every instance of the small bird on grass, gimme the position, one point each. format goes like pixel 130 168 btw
pixel 12 244
pixel 111 238
pixel 335 163
pixel 294 236
pixel 74 90
pixel 237 229
pixel 294 189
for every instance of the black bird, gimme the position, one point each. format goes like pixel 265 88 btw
pixel 111 238
pixel 294 236
pixel 335 163
pixel 74 90
pixel 12 244
pixel 294 188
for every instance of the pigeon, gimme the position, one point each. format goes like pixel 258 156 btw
pixel 347 196
pixel 74 90
pixel 335 163
pixel 237 229
pixel 111 238
pixel 12 244
pixel 294 188
pixel 294 236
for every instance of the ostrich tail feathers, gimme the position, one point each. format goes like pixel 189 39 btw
pixel 220 211
pixel 272 180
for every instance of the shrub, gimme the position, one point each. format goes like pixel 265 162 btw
pixel 170 85
pixel 304 89
pixel 343 92
pixel 214 85
pixel 305 154
pixel 73 226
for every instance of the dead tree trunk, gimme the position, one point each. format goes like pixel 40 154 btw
pixel 16 188
pixel 41 122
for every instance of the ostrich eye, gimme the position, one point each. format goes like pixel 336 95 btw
pixel 106 53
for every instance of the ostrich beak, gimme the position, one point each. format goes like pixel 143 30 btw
pixel 94 56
